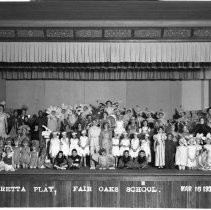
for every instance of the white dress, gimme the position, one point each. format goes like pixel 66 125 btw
pixel 119 127
pixel 83 143
pixel 208 147
pixel 135 145
pixel 54 147
pixel 181 157
pixel 115 147
pixel 65 146
pixel 74 144
pixel 125 145
pixel 144 130
pixel 3 117
pixel 52 123
pixel 94 134
pixel 191 150
pixel 159 149
pixel 146 147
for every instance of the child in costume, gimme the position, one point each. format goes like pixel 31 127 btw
pixel 34 157
pixel 191 150
pixel 65 145
pixel 84 146
pixel 105 161
pixel 132 127
pixel 125 161
pixel 60 162
pixel 54 114
pixel 145 146
pixel 74 144
pixel 124 144
pixel 54 146
pixel 170 151
pixel 2 168
pixel 25 154
pixel 74 160
pixel 159 147
pixel 140 161
pixel 1 146
pixel 115 147
pixel 8 159
pixel 16 153
pixel 94 134
pixel 135 146
pixel 119 129
pixel 145 129
pixel 181 156
pixel 41 160
pixel 207 146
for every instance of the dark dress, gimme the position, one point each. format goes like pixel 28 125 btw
pixel 170 150
pixel 140 162
pixel 125 162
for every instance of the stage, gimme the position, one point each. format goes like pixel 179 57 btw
pixel 151 188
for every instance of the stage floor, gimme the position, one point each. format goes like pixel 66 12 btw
pixel 151 171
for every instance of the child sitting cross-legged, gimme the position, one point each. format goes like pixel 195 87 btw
pixel 106 161
pixel 74 161
pixel 125 161
pixel 141 161
pixel 60 162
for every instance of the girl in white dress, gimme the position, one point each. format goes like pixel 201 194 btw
pixel 119 129
pixel 181 156
pixel 84 146
pixel 145 129
pixel 207 146
pixel 192 151
pixel 65 144
pixel 135 146
pixel 54 146
pixel 74 144
pixel 3 122
pixel 145 145
pixel 124 144
pixel 159 147
pixel 115 147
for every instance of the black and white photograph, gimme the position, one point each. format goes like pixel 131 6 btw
pixel 105 103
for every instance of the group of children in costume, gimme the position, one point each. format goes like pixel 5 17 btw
pixel 104 137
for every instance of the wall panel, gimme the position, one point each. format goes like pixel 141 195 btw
pixel 105 90
pixel 31 93
pixel 167 95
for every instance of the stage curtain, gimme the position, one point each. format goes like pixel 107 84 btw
pixel 122 71
pixel 96 52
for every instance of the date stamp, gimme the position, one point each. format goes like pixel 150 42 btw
pixel 195 188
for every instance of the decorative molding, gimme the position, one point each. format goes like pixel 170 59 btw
pixel 117 33
pixel 59 33
pixel 27 33
pixel 7 33
pixel 89 33
pixel 202 33
pixel 147 33
pixel 78 34
pixel 177 33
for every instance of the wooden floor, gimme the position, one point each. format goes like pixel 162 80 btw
pixel 148 188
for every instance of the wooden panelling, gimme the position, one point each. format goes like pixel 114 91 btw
pixel 108 189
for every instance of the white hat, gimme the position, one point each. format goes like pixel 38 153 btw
pixel 63 133
pixel 74 133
